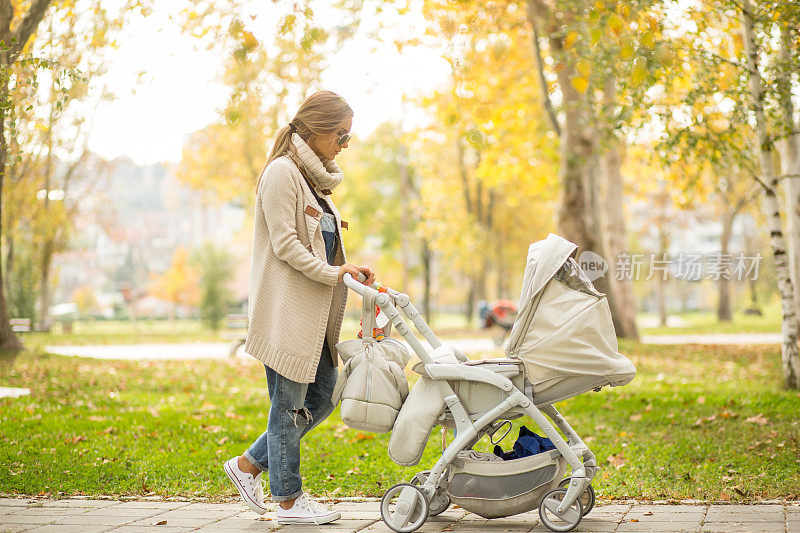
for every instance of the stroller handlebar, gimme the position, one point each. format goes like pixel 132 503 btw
pixel 358 286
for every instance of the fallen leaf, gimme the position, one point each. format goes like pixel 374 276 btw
pixel 759 419
pixel 617 461
pixel 161 523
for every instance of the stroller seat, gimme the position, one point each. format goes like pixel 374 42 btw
pixel 425 407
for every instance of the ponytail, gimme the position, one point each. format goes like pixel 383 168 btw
pixel 282 142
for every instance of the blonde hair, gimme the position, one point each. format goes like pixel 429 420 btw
pixel 320 113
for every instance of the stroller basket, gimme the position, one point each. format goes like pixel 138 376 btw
pixel 497 489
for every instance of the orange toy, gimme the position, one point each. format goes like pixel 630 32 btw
pixel 378 333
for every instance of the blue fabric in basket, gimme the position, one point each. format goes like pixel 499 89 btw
pixel 528 443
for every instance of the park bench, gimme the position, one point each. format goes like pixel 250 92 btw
pixel 20 325
pixel 45 325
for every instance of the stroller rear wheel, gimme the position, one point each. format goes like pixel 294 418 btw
pixel 548 511
pixel 404 508
pixel 440 501
pixel 587 498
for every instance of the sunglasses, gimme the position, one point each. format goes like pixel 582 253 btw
pixel 341 140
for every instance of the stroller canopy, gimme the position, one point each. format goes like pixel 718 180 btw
pixel 563 332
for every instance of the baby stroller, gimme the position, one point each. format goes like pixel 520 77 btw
pixel 562 344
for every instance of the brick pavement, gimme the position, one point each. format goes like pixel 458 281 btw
pixel 134 516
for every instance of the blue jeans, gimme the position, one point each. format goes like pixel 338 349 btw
pixel 296 408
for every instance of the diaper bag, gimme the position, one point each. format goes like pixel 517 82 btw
pixel 372 386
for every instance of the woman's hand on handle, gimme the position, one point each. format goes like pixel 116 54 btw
pixel 354 271
pixel 368 273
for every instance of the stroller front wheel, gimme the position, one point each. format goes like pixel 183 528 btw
pixel 587 498
pixel 404 508
pixel 548 511
pixel 440 501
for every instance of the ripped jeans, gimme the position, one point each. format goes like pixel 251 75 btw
pixel 296 408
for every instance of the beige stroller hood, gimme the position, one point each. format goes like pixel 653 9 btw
pixel 563 332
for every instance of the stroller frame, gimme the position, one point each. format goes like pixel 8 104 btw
pixel 406 516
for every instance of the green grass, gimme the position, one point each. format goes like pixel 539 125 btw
pixel 706 322
pixel 697 422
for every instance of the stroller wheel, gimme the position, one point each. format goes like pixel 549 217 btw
pixel 548 511
pixel 440 501
pixel 404 508
pixel 587 498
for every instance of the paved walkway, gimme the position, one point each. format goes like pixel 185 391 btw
pixel 715 338
pixel 95 516
pixel 221 350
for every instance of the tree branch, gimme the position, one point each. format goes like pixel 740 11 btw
pixel 766 187
pixel 547 102
pixel 28 25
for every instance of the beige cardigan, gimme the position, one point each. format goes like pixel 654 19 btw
pixel 295 299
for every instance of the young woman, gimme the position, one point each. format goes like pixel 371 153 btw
pixel 297 302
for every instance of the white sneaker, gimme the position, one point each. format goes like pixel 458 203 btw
pixel 307 511
pixel 249 487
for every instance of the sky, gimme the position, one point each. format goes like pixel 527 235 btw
pixel 166 88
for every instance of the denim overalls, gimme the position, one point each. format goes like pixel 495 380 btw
pixel 296 408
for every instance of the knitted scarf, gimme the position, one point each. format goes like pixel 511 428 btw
pixel 325 175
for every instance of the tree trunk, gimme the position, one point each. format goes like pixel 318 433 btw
pixel 500 266
pixel 576 152
pixel 469 308
pixel 579 216
pixel 12 43
pixel 615 230
pixel 405 233
pixel 789 324
pixel 45 294
pixel 9 263
pixel 616 237
pixel 724 313
pixel 596 241
pixel 662 278
pixel 791 165
pixel 8 338
pixel 426 280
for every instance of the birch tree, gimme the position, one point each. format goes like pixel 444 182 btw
pixel 790 156
pixel 770 180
